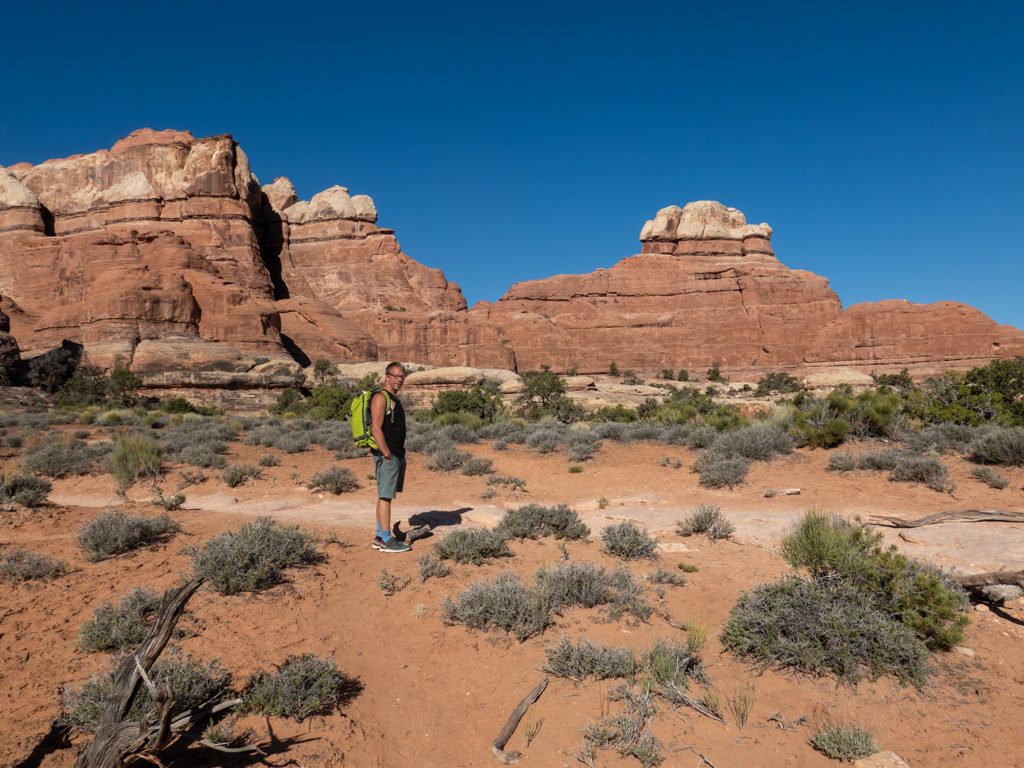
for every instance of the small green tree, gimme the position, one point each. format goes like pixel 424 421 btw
pixel 613 369
pixel 715 374
pixel 124 387
pixel 324 370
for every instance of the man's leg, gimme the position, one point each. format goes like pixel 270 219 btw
pixel 384 519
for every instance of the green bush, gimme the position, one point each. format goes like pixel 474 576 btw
pixel 534 521
pixel 499 603
pixel 776 382
pixel 119 627
pixel 630 378
pixel 236 474
pixel 990 477
pixel 333 480
pixel 21 565
pixel 707 519
pixel 715 374
pixel 483 401
pixel 19 488
pixel 617 413
pixel 473 545
pixel 135 457
pixel 302 687
pixel 628 541
pixel 193 684
pixel 252 558
pixel 114 533
pixel 928 602
pixel 844 742
pixel 822 629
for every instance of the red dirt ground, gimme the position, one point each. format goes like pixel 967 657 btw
pixel 436 696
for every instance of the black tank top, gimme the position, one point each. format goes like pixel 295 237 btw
pixel 394 429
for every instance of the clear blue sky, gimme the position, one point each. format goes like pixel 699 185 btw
pixel 883 142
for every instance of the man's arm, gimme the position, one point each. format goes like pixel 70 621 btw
pixel 378 406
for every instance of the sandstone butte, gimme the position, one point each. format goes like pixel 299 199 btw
pixel 166 255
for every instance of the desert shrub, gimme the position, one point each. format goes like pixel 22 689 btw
pixel 252 558
pixel 928 602
pixel 779 382
pixel 534 521
pixel 483 401
pixel 882 460
pixel 302 687
pixel 206 456
pixel 193 684
pixel 431 567
pixel 20 565
pixel 702 436
pixel 844 742
pixel 643 433
pixel 333 480
pixel 707 519
pixel 121 626
pixel 352 451
pixel 170 503
pixel 266 435
pixel 499 603
pixel 1002 446
pixel 715 374
pixel 292 442
pixel 446 457
pixel 841 461
pixel 509 482
pixel 581 445
pixel 179 405
pixel 921 469
pixel 198 435
pixel 665 576
pixel 475 466
pixel 628 541
pixel 760 442
pixel 134 457
pixel 113 533
pixel 546 439
pixel 473 545
pixel 718 472
pixel 990 477
pixel 617 413
pixel 585 659
pixel 942 437
pixel 62 457
pixel 462 433
pixel 236 474
pixel 19 488
pixel 269 460
pixel 630 377
pixel 819 427
pixel 821 629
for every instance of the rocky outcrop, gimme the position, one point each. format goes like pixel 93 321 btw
pixel 707 288
pixel 897 332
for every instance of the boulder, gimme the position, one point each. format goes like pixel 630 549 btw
pixel 281 194
pixel 445 378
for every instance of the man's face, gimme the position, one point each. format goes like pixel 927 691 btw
pixel 396 378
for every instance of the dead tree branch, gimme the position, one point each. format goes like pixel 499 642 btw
pixel 955 516
pixel 498 745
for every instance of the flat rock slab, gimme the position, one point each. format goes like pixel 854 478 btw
pixel 881 760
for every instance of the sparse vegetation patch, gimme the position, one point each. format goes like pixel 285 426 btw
pixel 113 533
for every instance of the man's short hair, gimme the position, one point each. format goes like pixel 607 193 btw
pixel 395 365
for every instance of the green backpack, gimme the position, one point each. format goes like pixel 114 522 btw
pixel 361 419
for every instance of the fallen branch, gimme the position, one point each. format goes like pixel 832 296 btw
pixel 956 515
pixel 979 580
pixel 498 745
pixel 695 704
pixel 782 492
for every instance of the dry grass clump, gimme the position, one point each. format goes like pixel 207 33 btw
pixel 302 687
pixel 114 533
pixel 135 457
pixel 844 742
pixel 236 474
pixel 334 480
pixel 254 557
pixel 628 541
pixel 990 477
pixel 19 565
pixel 534 521
pixel 121 626
pixel 707 519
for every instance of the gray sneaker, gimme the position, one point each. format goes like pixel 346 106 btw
pixel 394 545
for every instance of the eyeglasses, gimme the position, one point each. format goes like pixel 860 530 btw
pixel 399 376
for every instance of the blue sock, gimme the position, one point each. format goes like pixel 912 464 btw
pixel 385 536
pixel 380 530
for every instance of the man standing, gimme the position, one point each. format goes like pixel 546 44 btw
pixel 387 425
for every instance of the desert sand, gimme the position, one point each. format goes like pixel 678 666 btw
pixel 435 695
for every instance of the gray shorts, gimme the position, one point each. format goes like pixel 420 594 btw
pixel 390 476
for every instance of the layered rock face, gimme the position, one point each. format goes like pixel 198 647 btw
pixel 706 288
pixel 170 238
pixel 899 333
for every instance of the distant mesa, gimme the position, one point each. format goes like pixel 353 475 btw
pixel 165 254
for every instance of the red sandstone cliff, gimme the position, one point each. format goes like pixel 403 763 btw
pixel 165 254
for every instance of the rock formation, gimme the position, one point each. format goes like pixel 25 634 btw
pixel 706 288
pixel 166 255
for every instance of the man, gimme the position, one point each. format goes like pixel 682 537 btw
pixel 387 425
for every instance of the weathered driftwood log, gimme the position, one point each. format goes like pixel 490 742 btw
pixel 782 492
pixel 955 516
pixel 979 580
pixel 498 745
pixel 117 740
